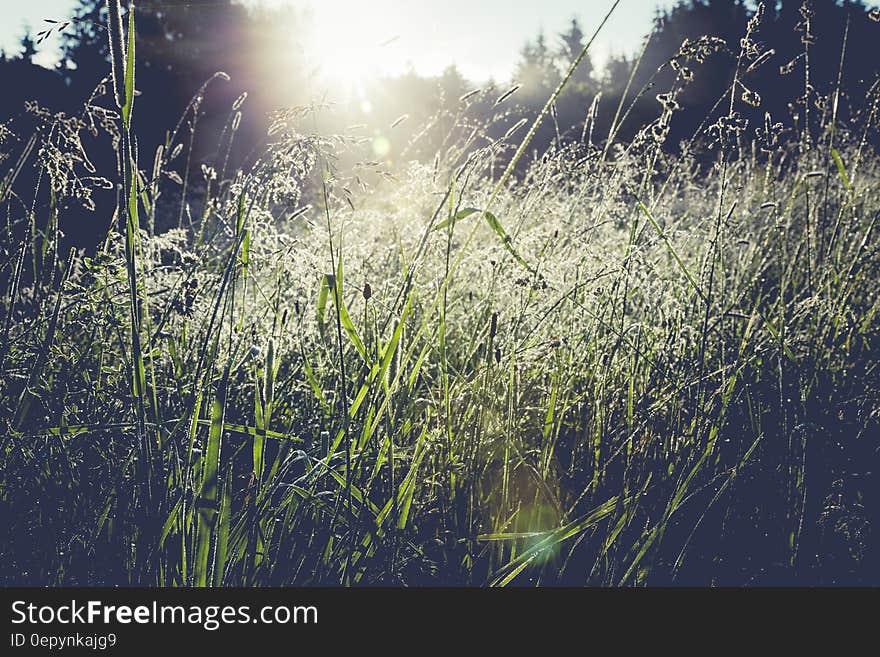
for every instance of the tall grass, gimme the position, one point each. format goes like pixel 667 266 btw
pixel 609 365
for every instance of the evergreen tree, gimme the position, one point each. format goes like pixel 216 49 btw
pixel 28 48
pixel 571 44
pixel 85 51
pixel 536 70
pixel 615 74
pixel 452 84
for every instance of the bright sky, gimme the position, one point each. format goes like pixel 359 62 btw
pixel 483 37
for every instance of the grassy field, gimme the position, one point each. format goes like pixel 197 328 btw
pixel 605 364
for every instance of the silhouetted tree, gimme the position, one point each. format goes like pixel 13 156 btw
pixel 536 70
pixel 84 50
pixel 28 48
pixel 617 70
pixel 452 84
pixel 571 45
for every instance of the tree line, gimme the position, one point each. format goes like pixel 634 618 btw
pixel 770 65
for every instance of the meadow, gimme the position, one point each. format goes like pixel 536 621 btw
pixel 607 363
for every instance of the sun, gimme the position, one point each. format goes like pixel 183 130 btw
pixel 348 65
pixel 353 42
